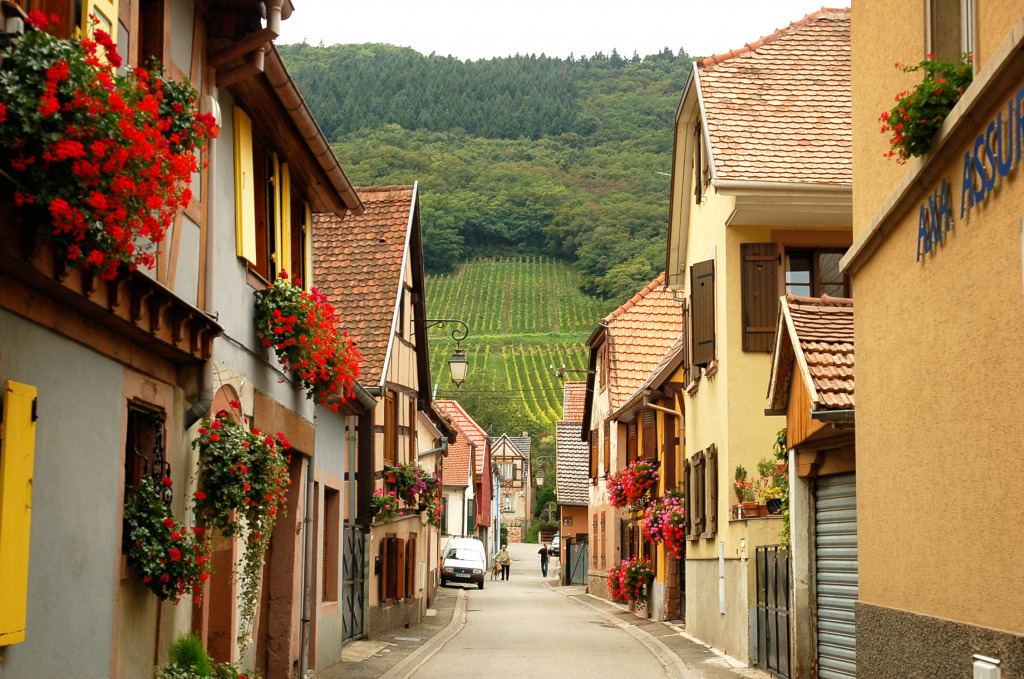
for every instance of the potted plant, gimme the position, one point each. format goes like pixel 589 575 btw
pixel 772 497
pixel 629 579
pixel 766 479
pixel 102 158
pixel 745 487
pixel 918 114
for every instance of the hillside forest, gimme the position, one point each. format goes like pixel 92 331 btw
pixel 522 155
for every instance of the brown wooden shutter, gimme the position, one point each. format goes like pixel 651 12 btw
pixel 390 427
pixel 688 499
pixel 687 349
pixel 399 569
pixel 593 453
pixel 410 566
pixel 631 442
pixel 668 455
pixel 697 487
pixel 698 164
pixel 607 447
pixel 760 275
pixel 650 434
pixel 712 488
pixel 702 282
pixel 382 577
pixel 412 429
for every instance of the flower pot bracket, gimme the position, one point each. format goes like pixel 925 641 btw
pixel 132 304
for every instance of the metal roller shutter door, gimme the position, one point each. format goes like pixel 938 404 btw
pixel 835 543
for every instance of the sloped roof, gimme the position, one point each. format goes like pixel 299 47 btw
pixel 456 466
pixel 638 334
pixel 573 464
pixel 357 264
pixel 574 395
pixel 668 365
pixel 816 335
pixel 523 443
pixel 779 109
pixel 469 429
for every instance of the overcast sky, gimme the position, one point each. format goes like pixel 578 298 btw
pixel 474 29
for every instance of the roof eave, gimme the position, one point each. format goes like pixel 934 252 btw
pixel 770 203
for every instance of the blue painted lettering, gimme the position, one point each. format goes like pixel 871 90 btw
pixel 967 186
pixel 1004 167
pixel 979 194
pixel 990 177
pixel 922 233
pixel 945 212
pixel 1018 123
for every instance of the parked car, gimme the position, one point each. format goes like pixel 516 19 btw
pixel 556 545
pixel 464 560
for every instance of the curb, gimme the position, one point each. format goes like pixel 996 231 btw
pixel 672 663
pixel 412 662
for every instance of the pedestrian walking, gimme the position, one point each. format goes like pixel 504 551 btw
pixel 505 559
pixel 544 554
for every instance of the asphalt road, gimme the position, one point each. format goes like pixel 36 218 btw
pixel 520 628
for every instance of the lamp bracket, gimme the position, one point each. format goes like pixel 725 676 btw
pixel 458 334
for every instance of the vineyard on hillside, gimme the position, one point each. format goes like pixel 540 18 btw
pixel 514 296
pixel 525 314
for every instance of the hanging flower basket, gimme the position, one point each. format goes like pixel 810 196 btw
pixel 103 160
pixel 417 487
pixel 302 330
pixel 243 480
pixel 384 505
pixel 170 561
pixel 666 523
pixel 633 485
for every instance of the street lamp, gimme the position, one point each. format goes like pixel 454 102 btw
pixel 539 474
pixel 457 365
pixel 561 372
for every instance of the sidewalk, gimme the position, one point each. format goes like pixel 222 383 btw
pixel 399 651
pixel 686 657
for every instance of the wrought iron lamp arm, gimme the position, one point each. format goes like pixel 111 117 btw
pixel 458 334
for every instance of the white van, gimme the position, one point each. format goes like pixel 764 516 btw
pixel 463 560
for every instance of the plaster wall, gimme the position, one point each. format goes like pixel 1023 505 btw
pixel 946 307
pixel 456 510
pixel 74 552
pixel 882 34
pixel 331 440
pixel 703 619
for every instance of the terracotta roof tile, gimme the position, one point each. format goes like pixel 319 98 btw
pixel 638 335
pixel 357 263
pixel 573 465
pixel 468 428
pixel 665 368
pixel 574 395
pixel 823 332
pixel 456 466
pixel 779 109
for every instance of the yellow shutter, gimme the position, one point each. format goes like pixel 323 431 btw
pixel 105 12
pixel 17 452
pixel 285 220
pixel 245 193
pixel 275 228
pixel 307 228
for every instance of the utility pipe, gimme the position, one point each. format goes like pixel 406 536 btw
pixel 307 570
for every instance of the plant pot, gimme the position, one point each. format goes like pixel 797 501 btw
pixel 422 507
pixel 762 509
pixel 391 477
pixel 750 510
pixel 735 512
pixel 774 505
pixel 374 510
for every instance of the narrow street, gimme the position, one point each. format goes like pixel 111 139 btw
pixel 522 628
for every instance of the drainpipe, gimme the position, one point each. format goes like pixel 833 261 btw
pixel 253 46
pixel 669 411
pixel 307 570
pixel 443 451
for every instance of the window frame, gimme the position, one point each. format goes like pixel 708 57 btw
pixel 815 273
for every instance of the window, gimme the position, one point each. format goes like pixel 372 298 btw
pixel 392 569
pixel 144 447
pixel 509 471
pixel 444 515
pixel 702 312
pixel 105 14
pixel 811 273
pixel 412 430
pixel 331 545
pixel 950 28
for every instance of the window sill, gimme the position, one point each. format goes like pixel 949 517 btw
pixel 712 369
pixel 693 386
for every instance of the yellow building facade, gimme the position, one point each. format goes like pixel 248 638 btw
pixel 936 263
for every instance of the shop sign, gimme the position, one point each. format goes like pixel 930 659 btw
pixel 990 159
